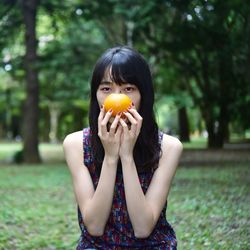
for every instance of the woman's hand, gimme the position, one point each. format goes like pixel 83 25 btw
pixel 110 139
pixel 129 133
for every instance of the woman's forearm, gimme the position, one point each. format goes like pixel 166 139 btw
pixel 140 213
pixel 97 210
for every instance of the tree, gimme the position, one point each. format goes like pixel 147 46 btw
pixel 31 107
pixel 212 30
pixel 201 40
pixel 66 61
pixel 195 47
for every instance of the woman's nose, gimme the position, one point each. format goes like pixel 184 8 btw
pixel 117 91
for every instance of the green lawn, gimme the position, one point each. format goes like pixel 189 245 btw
pixel 49 152
pixel 208 208
pixel 54 152
pixel 194 143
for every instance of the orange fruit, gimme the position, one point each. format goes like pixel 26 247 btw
pixel 117 102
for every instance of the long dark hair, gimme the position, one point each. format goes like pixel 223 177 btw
pixel 127 66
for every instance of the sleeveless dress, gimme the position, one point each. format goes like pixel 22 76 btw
pixel 119 232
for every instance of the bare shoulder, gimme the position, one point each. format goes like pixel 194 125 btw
pixel 73 151
pixel 73 140
pixel 171 143
pixel 171 152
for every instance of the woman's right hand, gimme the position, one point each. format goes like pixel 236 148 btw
pixel 110 139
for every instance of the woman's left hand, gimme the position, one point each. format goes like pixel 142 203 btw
pixel 130 133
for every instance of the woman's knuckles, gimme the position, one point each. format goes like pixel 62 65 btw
pixel 112 128
pixel 103 123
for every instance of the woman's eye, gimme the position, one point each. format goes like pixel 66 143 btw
pixel 129 89
pixel 105 89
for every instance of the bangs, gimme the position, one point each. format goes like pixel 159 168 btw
pixel 123 65
pixel 123 72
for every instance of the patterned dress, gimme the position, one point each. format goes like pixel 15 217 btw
pixel 119 232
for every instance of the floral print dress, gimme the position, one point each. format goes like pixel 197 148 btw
pixel 119 232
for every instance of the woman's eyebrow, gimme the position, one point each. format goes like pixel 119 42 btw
pixel 106 82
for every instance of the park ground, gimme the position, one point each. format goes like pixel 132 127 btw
pixel 208 206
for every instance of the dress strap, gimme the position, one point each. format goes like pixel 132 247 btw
pixel 87 157
pixel 160 136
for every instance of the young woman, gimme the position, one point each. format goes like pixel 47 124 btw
pixel 122 167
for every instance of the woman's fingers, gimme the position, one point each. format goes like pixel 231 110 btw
pixel 103 120
pixel 118 131
pixel 103 123
pixel 135 120
pixel 130 118
pixel 136 115
pixel 101 114
pixel 100 117
pixel 114 124
pixel 124 126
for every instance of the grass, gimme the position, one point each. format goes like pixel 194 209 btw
pixel 208 208
pixel 196 142
pixel 37 208
pixel 49 152
pixel 54 152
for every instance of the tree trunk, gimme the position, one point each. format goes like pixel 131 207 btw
pixel 217 122
pixel 31 108
pixel 215 140
pixel 54 110
pixel 212 134
pixel 183 124
pixel 216 133
pixel 226 78
pixel 223 132
pixel 8 114
pixel 130 29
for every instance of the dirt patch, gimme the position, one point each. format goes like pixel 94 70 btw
pixel 208 156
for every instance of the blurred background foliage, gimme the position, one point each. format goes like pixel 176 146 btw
pixel 199 54
pixel 198 51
